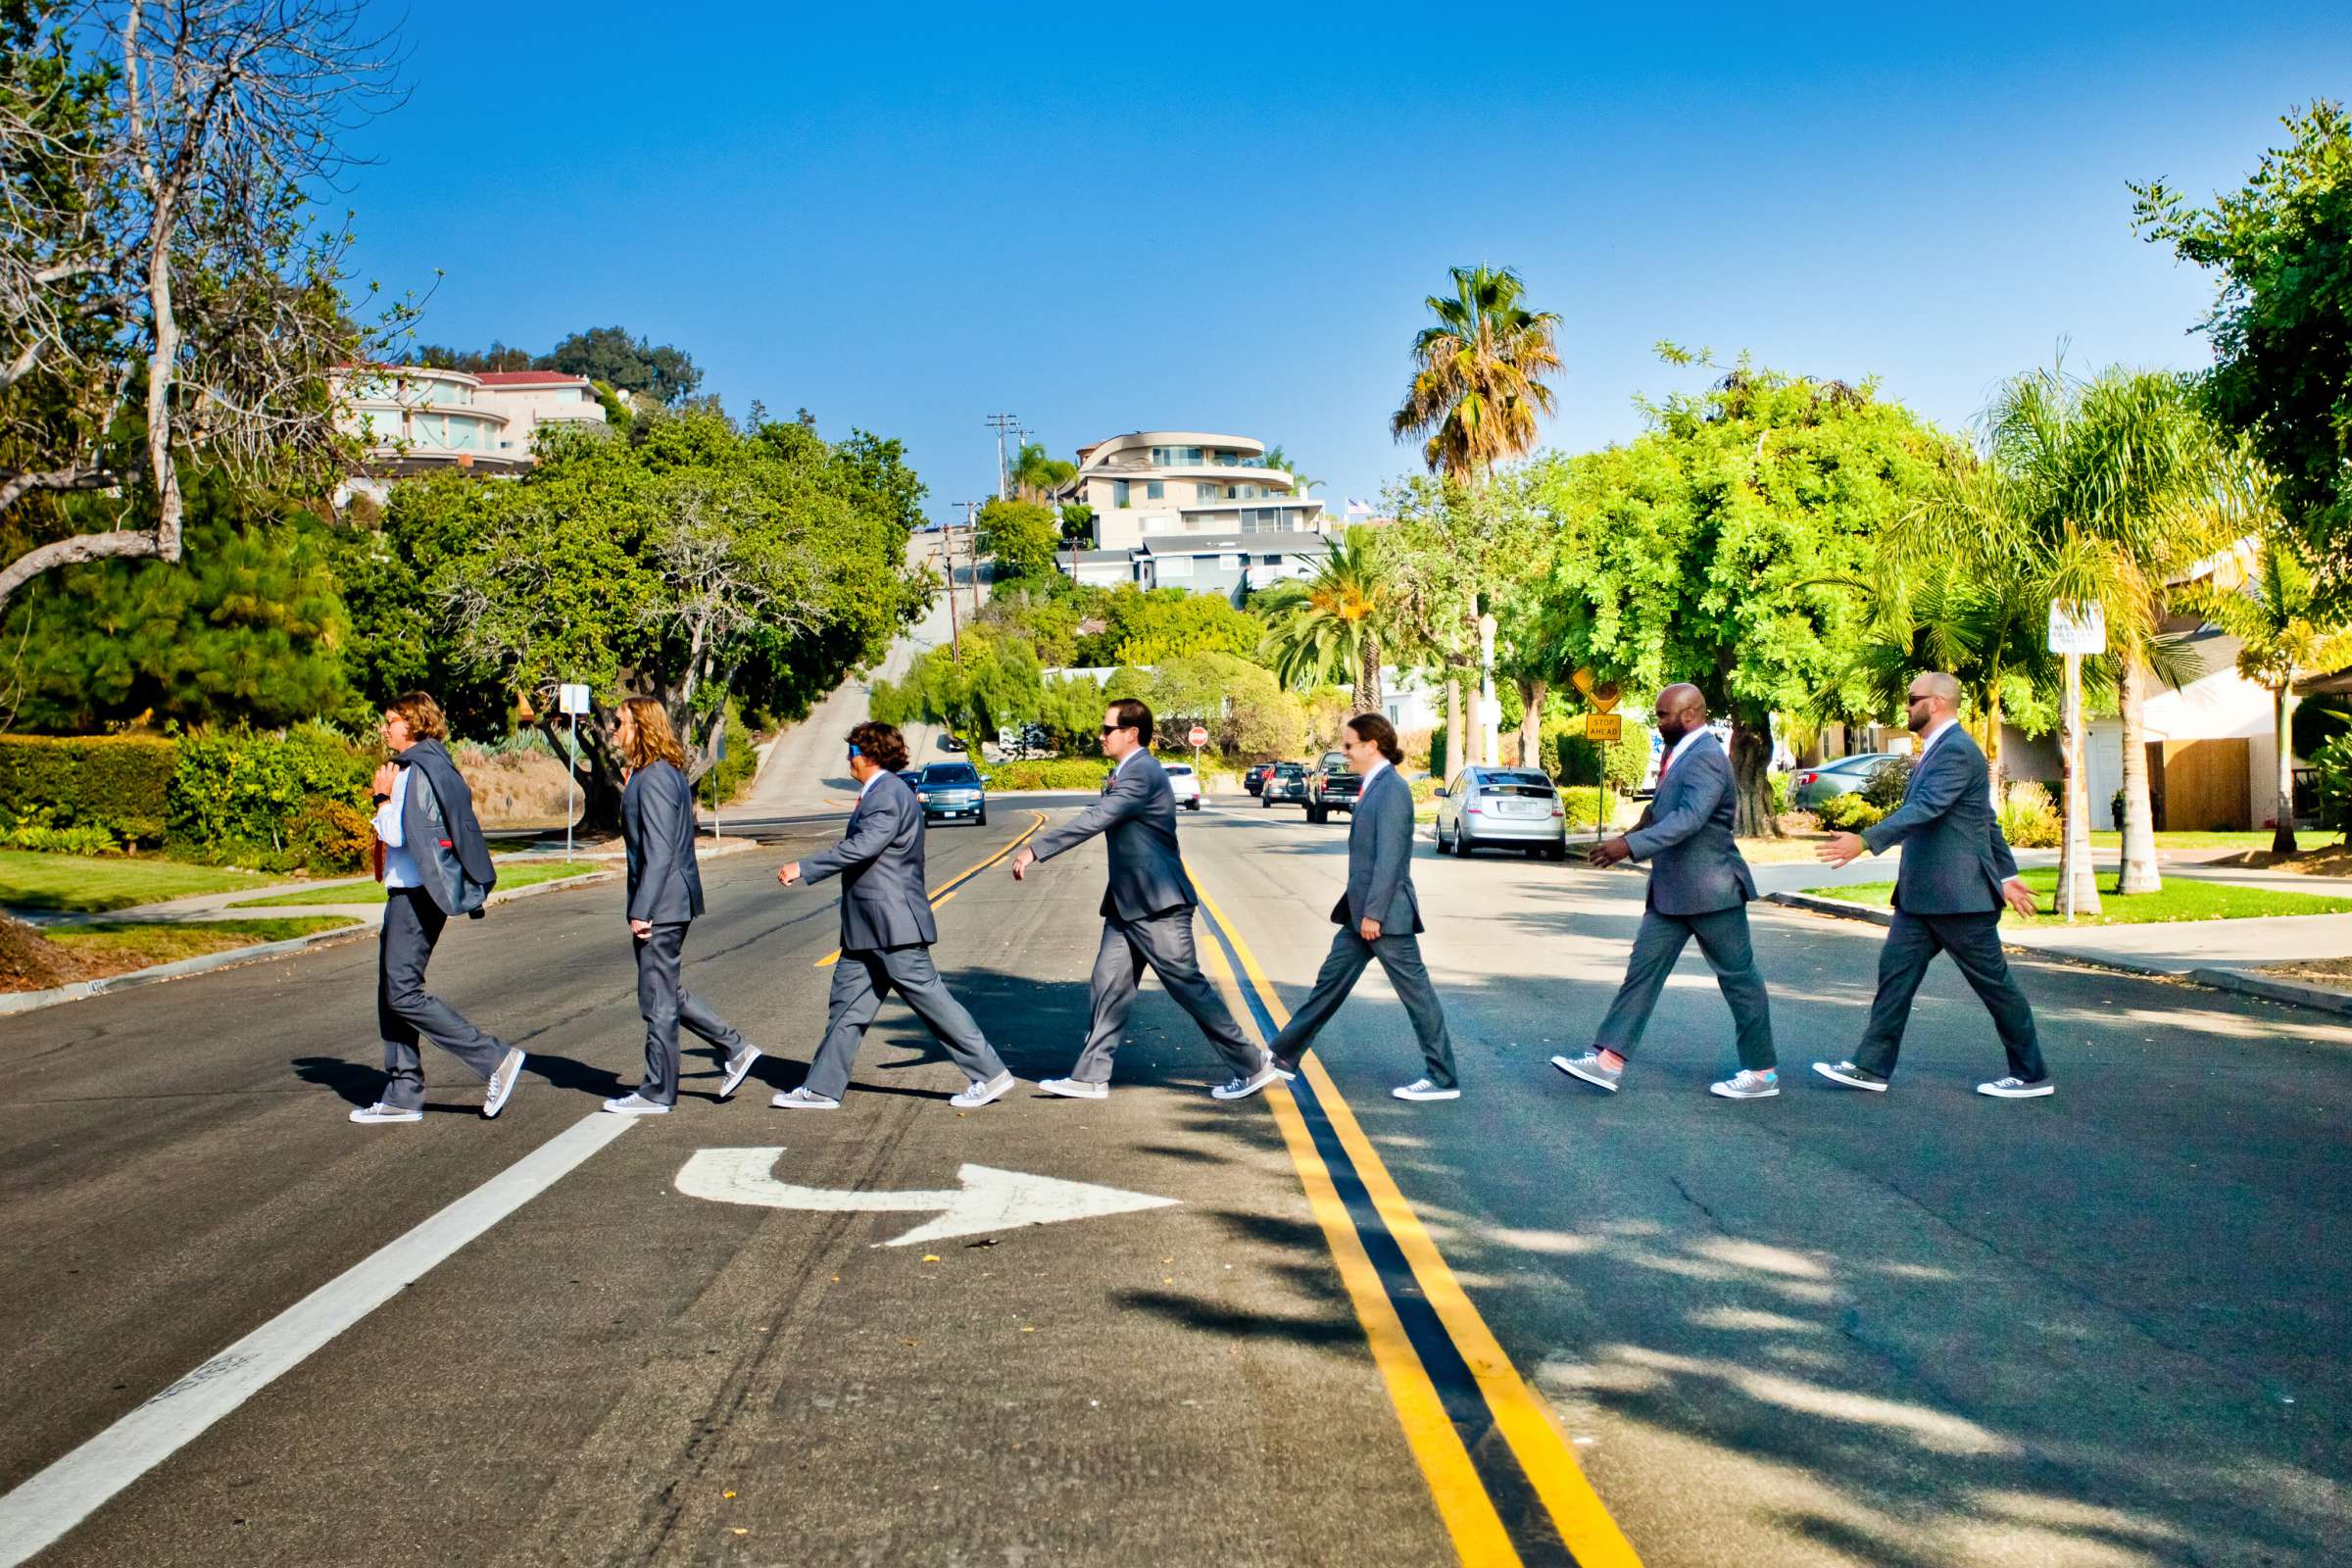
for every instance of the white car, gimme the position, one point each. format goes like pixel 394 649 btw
pixel 1186 784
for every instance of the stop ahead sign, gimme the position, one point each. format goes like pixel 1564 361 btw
pixel 1198 738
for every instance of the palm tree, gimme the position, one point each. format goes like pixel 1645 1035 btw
pixel 2089 496
pixel 1035 476
pixel 1327 628
pixel 1279 460
pixel 2271 612
pixel 1479 376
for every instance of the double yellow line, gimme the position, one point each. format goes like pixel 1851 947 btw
pixel 947 888
pixel 1543 1451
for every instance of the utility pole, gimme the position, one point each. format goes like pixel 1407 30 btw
pixel 1001 423
pixel 954 633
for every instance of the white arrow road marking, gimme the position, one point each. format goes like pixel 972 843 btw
pixel 989 1200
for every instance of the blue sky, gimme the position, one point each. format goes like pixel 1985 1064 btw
pixel 1226 218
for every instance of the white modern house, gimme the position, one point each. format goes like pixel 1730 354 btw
pixel 1193 509
pixel 416 419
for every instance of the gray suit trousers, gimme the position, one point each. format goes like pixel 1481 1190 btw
pixel 862 978
pixel 664 1002
pixel 1164 942
pixel 405 1010
pixel 1350 955
pixel 1723 939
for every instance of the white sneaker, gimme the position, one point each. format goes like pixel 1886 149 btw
pixel 982 1091
pixel 1592 1069
pixel 380 1112
pixel 502 1084
pixel 1747 1084
pixel 805 1099
pixel 1244 1088
pixel 739 1067
pixel 634 1103
pixel 1072 1089
pixel 2017 1089
pixel 1422 1089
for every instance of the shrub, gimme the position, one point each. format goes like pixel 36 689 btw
pixel 1581 804
pixel 121 783
pixel 1849 813
pixel 230 790
pixel 2030 821
pixel 1887 783
pixel 330 835
pixel 2332 782
pixel 1056 774
pixel 1579 759
pixel 1777 783
pixel 86 838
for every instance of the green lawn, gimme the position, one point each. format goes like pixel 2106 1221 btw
pixel 30 879
pixel 124 945
pixel 2307 839
pixel 2179 899
pixel 511 874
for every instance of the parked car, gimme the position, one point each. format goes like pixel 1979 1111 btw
pixel 950 741
pixel 1186 783
pixel 1504 808
pixel 951 791
pixel 1020 742
pixel 1254 778
pixel 1286 782
pixel 1332 787
pixel 1810 787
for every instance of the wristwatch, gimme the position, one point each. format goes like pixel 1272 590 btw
pixel 382 796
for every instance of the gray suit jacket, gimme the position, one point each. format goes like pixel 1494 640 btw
pixel 1137 817
pixel 657 827
pixel 1954 856
pixel 880 862
pixel 1379 858
pixel 453 860
pixel 1685 834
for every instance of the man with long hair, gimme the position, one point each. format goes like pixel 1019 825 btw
pixel 1146 912
pixel 885 934
pixel 434 863
pixel 665 896
pixel 1379 916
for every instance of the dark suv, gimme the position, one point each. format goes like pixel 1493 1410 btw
pixel 1332 787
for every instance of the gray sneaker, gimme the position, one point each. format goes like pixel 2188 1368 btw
pixel 1850 1076
pixel 381 1112
pixel 1073 1089
pixel 1244 1088
pixel 2017 1089
pixel 805 1099
pixel 739 1067
pixel 501 1082
pixel 634 1103
pixel 1422 1089
pixel 981 1091
pixel 1589 1067
pixel 1748 1083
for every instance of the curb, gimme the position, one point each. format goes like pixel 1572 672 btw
pixel 2285 991
pixel 17 1001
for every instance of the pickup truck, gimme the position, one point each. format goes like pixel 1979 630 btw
pixel 1332 787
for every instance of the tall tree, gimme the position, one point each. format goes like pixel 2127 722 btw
pixel 2282 326
pixel 1020 536
pixel 1479 376
pixel 1327 628
pixel 607 354
pixel 1036 475
pixel 164 290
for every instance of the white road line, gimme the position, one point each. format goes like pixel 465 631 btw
pixel 52 1502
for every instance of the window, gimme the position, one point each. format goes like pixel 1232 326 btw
pixel 1118 492
pixel 1276 560
pixel 1174 565
pixel 1208 492
pixel 1153 490
pixel 1231 562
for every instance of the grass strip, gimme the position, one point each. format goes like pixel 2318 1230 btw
pixel 2179 899
pixel 511 874
pixel 117 946
pixel 92 884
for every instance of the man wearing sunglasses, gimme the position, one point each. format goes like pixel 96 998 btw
pixel 885 934
pixel 1146 912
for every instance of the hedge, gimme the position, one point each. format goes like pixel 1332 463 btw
pixel 119 783
pixel 239 797
pixel 1054 773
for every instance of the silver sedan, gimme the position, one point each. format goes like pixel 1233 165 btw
pixel 1504 808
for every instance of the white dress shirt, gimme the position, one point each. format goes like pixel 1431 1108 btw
pixel 400 865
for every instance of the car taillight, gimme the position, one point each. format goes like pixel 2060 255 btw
pixel 1806 778
pixel 1556 809
pixel 1473 809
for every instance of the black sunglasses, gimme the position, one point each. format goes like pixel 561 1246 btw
pixel 1108 728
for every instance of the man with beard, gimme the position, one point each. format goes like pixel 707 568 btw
pixel 1700 887
pixel 1956 873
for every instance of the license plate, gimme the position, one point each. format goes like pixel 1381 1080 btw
pixel 1521 809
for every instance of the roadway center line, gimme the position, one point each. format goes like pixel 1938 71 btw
pixel 947 888
pixel 49 1503
pixel 1545 1453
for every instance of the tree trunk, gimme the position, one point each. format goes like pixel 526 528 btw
pixel 1367 677
pixel 1751 780
pixel 2140 816
pixel 2282 832
pixel 1454 753
pixel 598 772
pixel 1531 722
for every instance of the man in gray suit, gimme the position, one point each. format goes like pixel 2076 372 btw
pixel 1956 873
pixel 1379 916
pixel 885 934
pixel 1146 912
pixel 434 864
pixel 1700 886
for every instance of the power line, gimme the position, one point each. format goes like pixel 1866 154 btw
pixel 1000 423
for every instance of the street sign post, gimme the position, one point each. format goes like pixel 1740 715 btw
pixel 718 755
pixel 571 699
pixel 2076 630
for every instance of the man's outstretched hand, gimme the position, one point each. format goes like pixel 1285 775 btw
pixel 789 872
pixel 1610 851
pixel 1022 859
pixel 1839 849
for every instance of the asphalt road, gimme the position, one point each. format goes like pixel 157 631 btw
pixel 1923 1329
